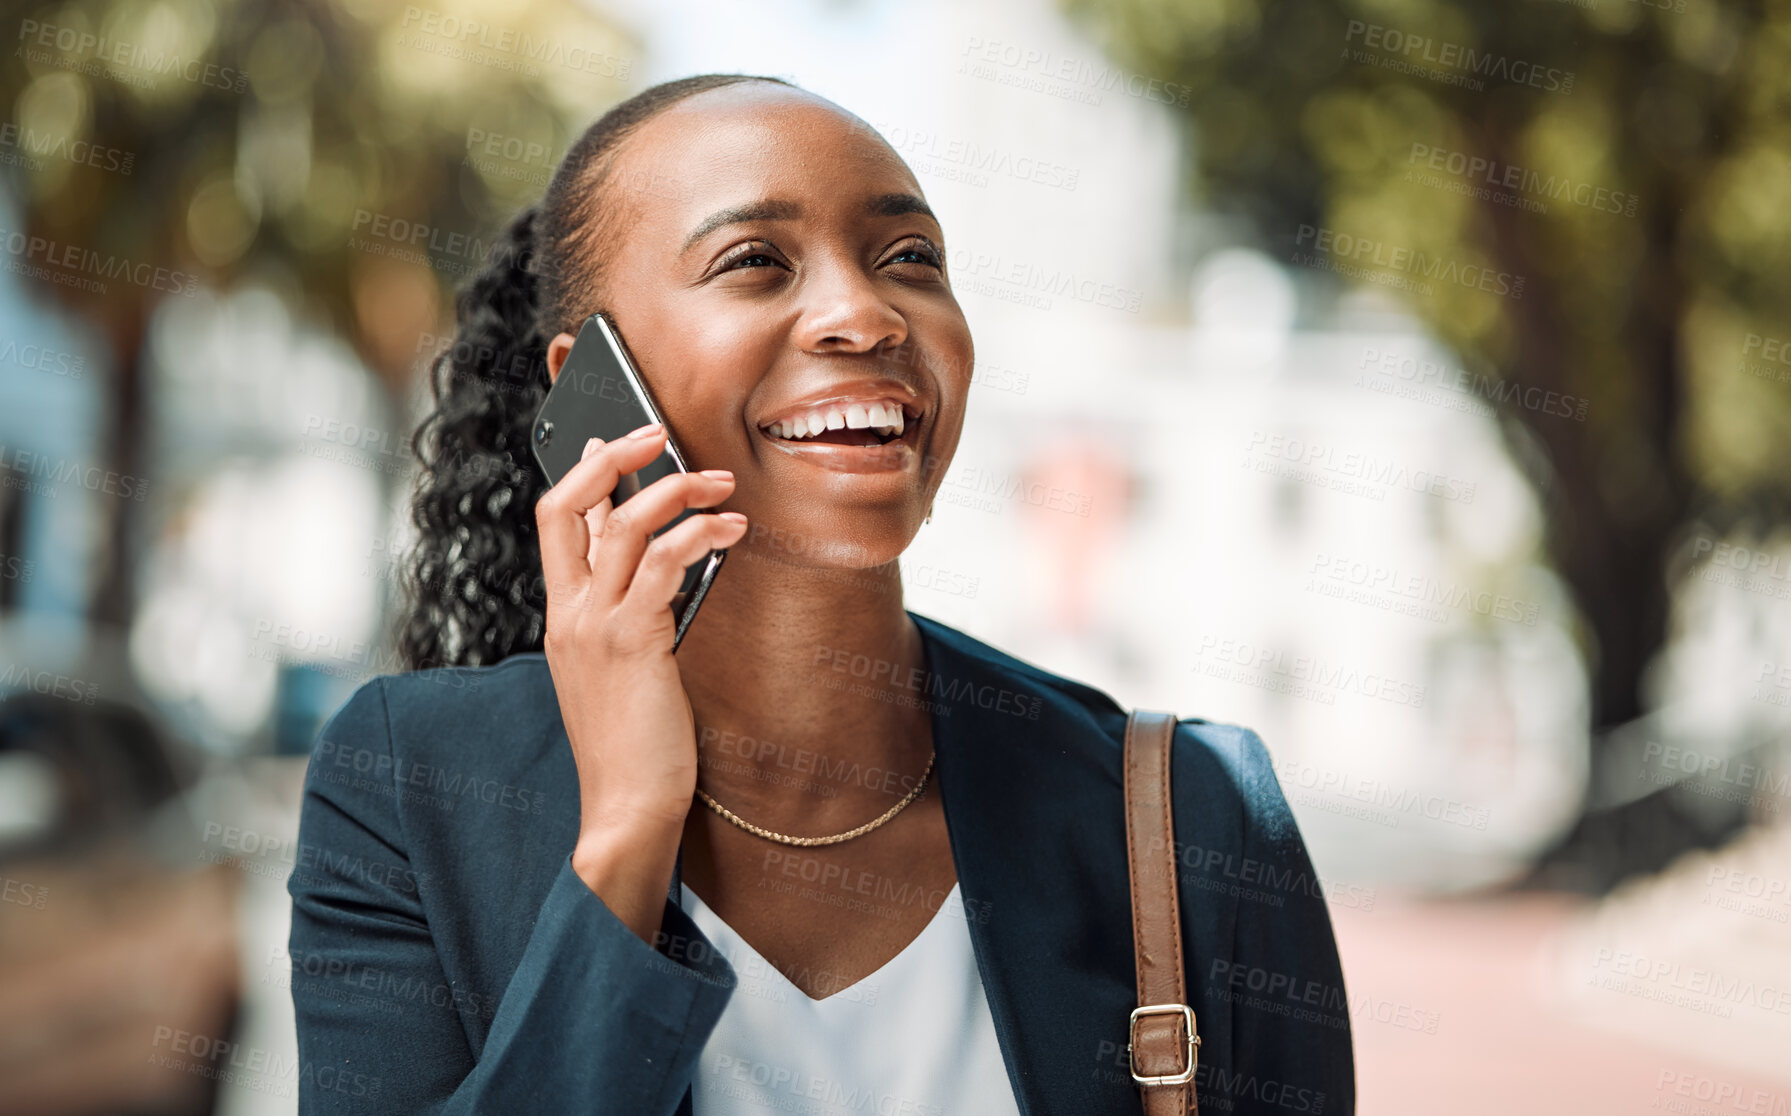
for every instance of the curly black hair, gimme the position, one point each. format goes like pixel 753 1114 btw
pixel 472 582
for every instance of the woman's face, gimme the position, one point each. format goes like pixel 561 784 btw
pixel 777 272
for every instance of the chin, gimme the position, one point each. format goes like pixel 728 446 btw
pixel 880 540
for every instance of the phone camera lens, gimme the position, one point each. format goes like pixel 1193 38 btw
pixel 543 433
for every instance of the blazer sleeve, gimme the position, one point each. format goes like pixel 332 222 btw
pixel 593 1018
pixel 1290 1013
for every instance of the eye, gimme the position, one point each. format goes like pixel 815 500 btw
pixel 919 250
pixel 753 254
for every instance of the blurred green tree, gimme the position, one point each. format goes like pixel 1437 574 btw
pixel 1593 199
pixel 357 155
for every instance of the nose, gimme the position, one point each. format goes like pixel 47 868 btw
pixel 844 311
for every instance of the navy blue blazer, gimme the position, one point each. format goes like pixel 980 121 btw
pixel 444 958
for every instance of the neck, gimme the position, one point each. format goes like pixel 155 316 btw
pixel 790 671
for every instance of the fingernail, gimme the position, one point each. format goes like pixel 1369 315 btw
pixel 591 445
pixel 648 430
pixel 732 517
pixel 718 474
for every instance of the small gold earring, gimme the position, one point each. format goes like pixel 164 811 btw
pixel 929 517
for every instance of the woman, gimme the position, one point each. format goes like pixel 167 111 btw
pixel 557 869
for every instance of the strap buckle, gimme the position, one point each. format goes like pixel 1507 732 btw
pixel 1187 1014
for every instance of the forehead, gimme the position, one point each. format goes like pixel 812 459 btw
pixel 750 142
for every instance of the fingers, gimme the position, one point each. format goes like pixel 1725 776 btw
pixel 625 534
pixel 563 513
pixel 661 571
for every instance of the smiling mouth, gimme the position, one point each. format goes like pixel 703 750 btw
pixel 851 436
pixel 861 425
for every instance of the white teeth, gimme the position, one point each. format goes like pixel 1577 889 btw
pixel 884 418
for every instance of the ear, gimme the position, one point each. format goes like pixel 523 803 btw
pixel 557 350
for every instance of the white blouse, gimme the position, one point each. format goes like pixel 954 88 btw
pixel 914 1038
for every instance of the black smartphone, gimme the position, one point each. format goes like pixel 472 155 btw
pixel 600 394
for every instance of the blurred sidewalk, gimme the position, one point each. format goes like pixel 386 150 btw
pixel 1494 1006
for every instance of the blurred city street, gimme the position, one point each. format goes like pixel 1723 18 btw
pixel 1432 421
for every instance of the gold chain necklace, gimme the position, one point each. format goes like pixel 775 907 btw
pixel 784 839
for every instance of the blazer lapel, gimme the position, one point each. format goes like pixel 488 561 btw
pixel 1033 803
pixel 1034 809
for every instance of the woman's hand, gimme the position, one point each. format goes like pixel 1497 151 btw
pixel 610 587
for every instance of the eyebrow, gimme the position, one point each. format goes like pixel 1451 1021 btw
pixel 894 205
pixel 883 205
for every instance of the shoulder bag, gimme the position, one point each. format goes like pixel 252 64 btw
pixel 1162 1043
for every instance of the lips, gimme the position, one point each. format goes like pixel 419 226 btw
pixel 865 431
pixel 852 420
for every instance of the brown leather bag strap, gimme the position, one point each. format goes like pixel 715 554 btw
pixel 1163 1043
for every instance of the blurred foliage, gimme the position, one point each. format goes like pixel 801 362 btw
pixel 1629 159
pixel 258 134
pixel 355 155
